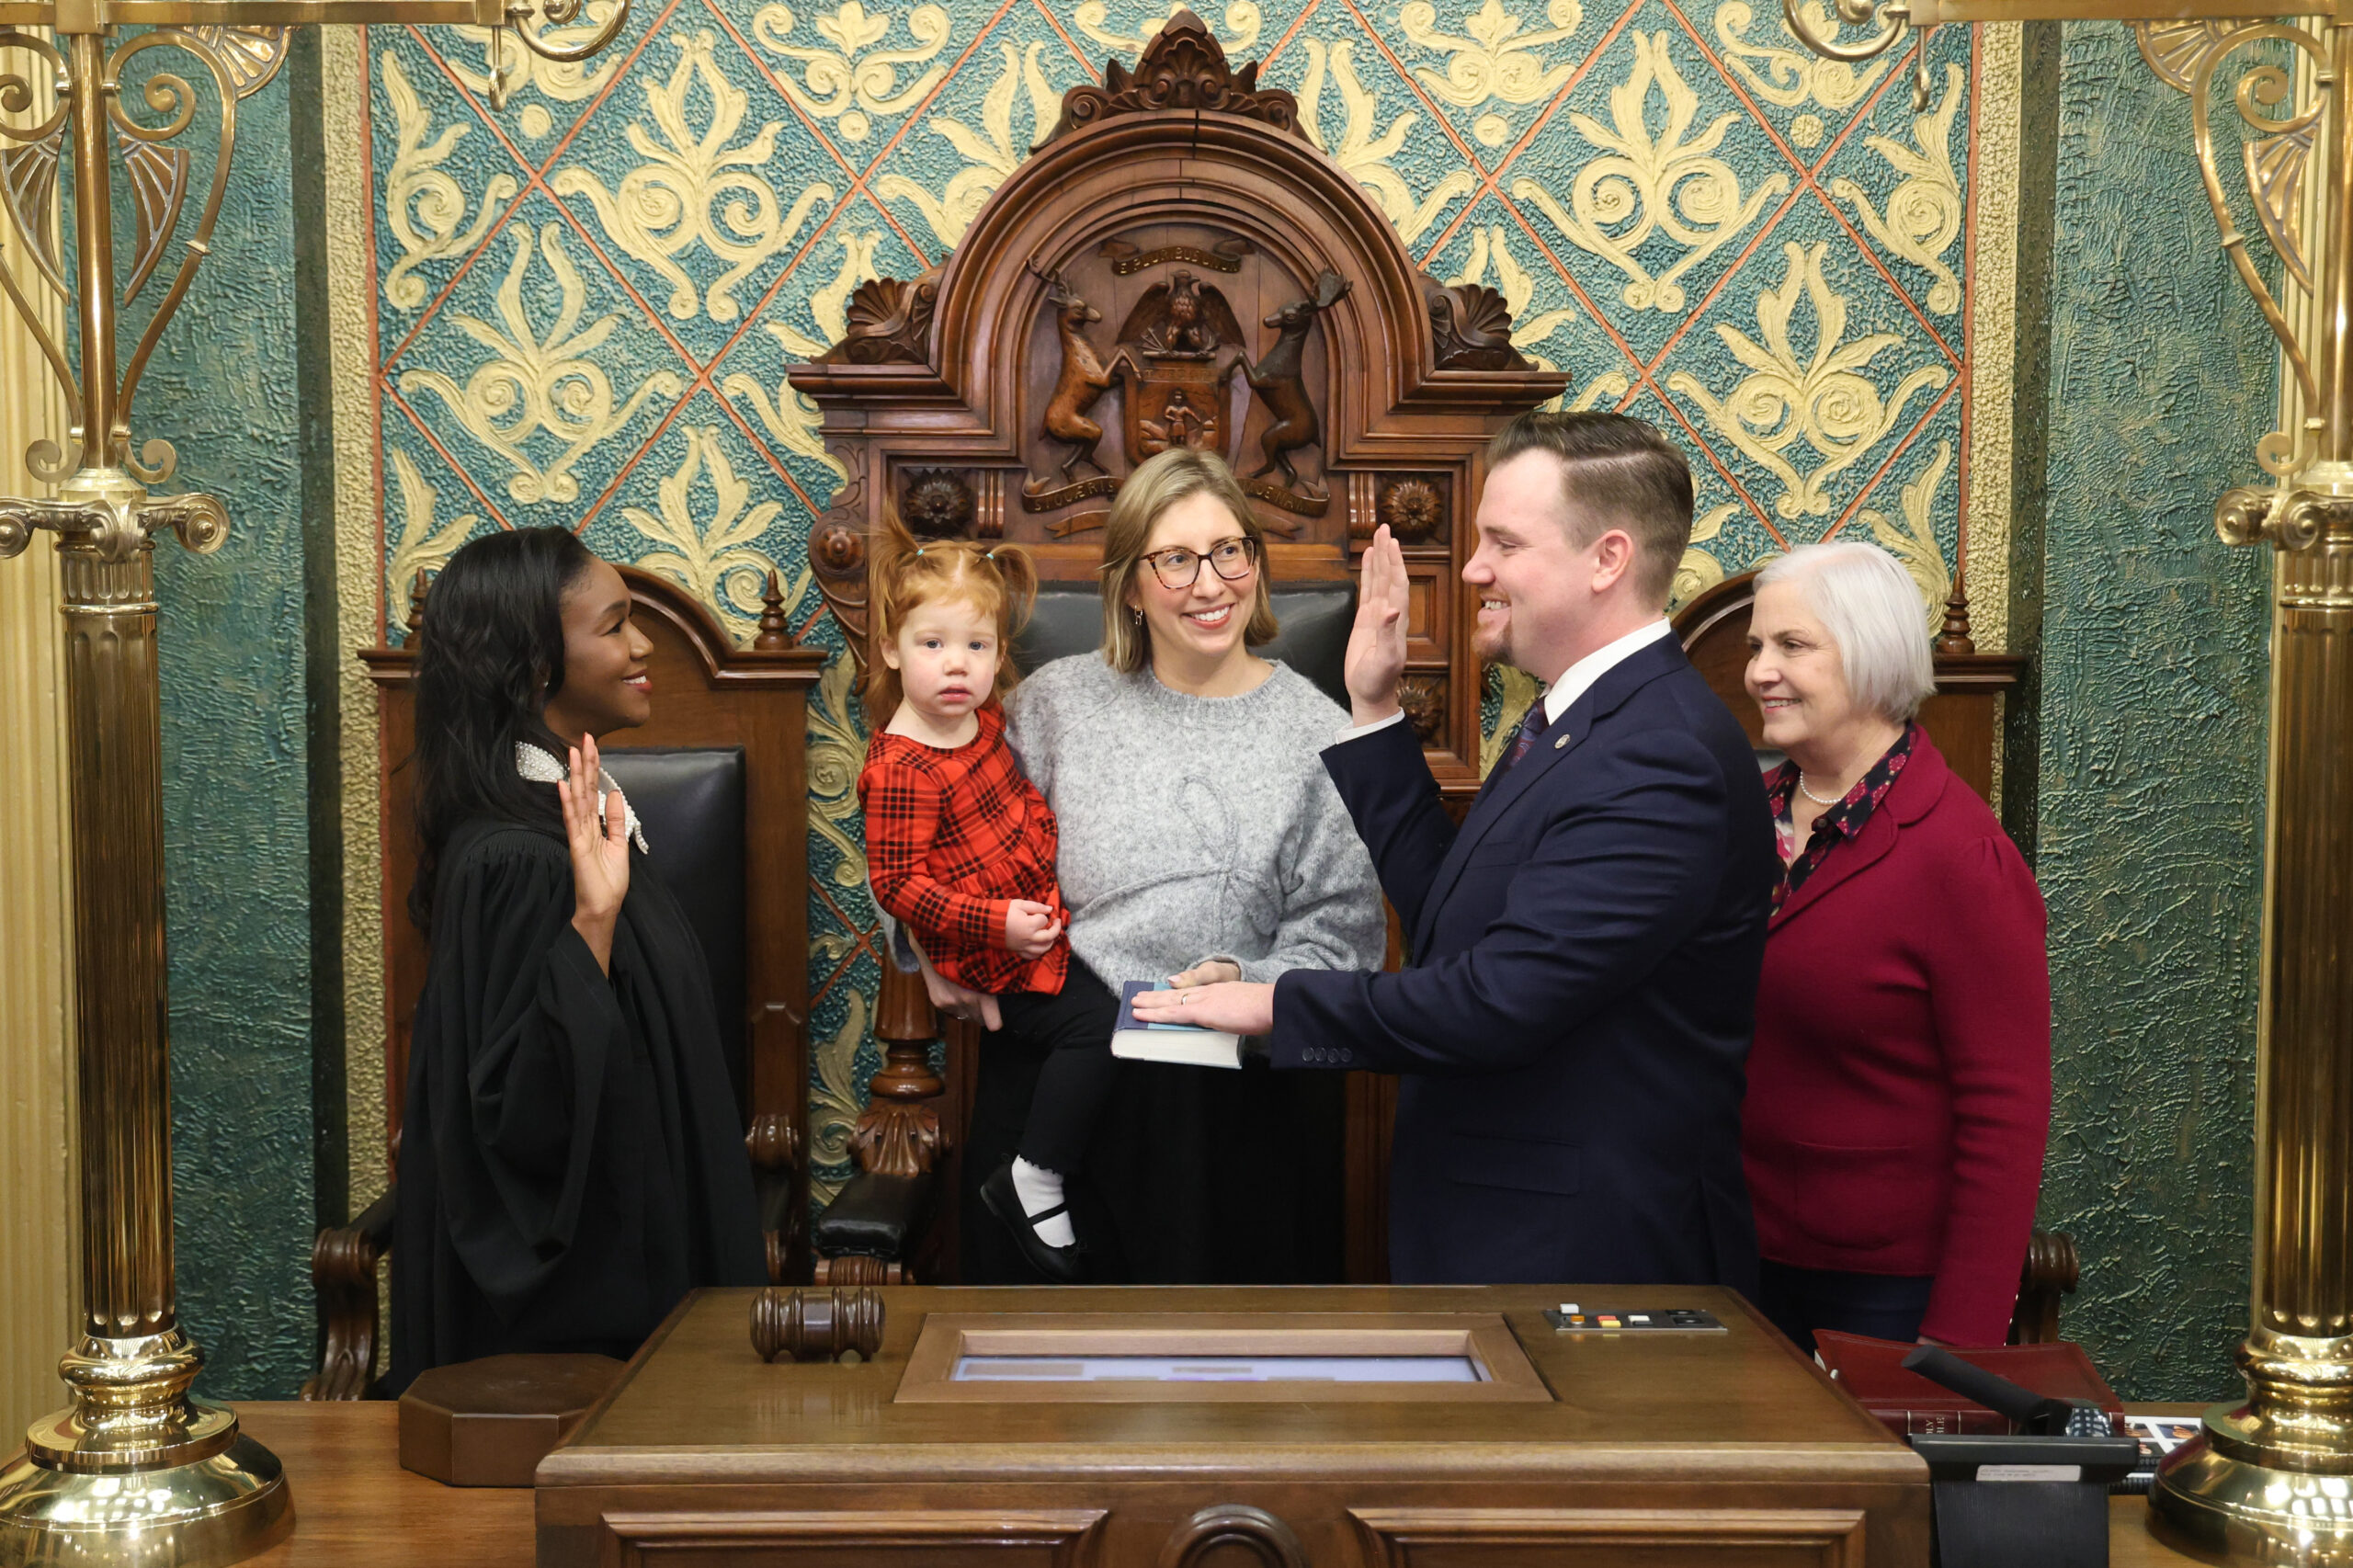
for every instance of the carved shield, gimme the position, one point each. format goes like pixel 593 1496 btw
pixel 1178 352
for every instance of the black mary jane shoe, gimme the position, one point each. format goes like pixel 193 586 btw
pixel 1061 1266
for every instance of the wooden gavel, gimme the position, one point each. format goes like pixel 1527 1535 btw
pixel 816 1325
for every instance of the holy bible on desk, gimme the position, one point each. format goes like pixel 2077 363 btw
pixel 1872 1371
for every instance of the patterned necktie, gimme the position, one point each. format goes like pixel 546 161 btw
pixel 1529 728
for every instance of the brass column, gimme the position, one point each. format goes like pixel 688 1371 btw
pixel 132 1472
pixel 2272 1481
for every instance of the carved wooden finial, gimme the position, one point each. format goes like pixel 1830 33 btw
pixel 775 636
pixel 416 602
pixel 1955 638
pixel 1183 66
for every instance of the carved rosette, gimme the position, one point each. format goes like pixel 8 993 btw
pixel 1424 699
pixel 1470 327
pixel 1183 67
pixel 937 504
pixel 1415 510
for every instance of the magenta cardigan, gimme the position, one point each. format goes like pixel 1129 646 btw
pixel 1898 1090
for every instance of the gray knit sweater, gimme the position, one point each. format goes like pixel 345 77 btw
pixel 1194 826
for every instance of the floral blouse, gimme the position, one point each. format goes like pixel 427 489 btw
pixel 1837 825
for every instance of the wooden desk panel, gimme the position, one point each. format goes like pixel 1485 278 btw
pixel 1728 1451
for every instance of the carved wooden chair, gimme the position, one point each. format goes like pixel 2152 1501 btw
pixel 720 778
pixel 1176 263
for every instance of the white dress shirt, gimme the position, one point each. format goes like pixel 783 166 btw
pixel 1575 682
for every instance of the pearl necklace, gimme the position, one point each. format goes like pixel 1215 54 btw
pixel 1812 796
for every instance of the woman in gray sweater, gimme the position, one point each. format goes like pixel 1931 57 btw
pixel 1202 840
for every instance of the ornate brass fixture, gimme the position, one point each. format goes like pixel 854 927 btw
pixel 2272 1478
pixel 135 1472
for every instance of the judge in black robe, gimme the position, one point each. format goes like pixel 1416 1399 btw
pixel 572 1158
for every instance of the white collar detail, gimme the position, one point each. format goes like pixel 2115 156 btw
pixel 1578 678
pixel 539 766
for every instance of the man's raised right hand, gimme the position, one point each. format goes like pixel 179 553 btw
pixel 1377 644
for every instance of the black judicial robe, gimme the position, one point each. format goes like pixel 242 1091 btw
pixel 571 1160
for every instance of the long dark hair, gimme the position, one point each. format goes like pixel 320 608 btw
pixel 490 655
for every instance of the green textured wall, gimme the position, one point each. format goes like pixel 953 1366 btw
pixel 223 389
pixel 2150 756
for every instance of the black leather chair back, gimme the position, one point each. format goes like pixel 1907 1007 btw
pixel 1316 619
pixel 691 800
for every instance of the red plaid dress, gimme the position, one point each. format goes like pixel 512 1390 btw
pixel 951 838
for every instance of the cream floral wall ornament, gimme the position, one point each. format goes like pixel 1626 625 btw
pixel 694 189
pixel 1238 36
pixel 836 752
pixel 425 208
pixel 1786 75
pixel 1699 570
pixel 521 69
pixel 989 154
pixel 423 545
pixel 837 1099
pixel 1821 401
pixel 1494 61
pixel 1671 184
pixel 713 560
pixel 791 419
pixel 1924 212
pixel 1364 149
pixel 849 79
pixel 1913 540
pixel 534 383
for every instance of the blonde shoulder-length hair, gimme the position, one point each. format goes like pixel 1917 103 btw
pixel 1158 484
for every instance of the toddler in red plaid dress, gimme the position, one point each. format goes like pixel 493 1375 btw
pixel 959 848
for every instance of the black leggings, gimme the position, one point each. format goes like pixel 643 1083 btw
pixel 1074 1080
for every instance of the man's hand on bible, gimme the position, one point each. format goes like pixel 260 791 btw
pixel 1377 644
pixel 1232 1005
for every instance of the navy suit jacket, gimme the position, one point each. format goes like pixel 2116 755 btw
pixel 1574 1028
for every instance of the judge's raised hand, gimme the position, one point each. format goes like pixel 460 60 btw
pixel 1377 644
pixel 599 855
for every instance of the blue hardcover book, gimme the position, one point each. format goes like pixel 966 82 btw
pixel 1181 1043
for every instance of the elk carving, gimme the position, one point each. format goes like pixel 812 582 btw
pixel 1280 385
pixel 1083 382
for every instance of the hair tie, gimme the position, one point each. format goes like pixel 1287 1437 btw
pixel 920 549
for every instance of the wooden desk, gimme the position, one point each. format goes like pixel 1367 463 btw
pixel 355 1507
pixel 1668 1449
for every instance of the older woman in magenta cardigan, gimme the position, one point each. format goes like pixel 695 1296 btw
pixel 1899 1089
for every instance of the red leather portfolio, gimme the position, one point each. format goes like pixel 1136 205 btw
pixel 1871 1370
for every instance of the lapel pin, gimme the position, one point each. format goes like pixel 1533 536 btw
pixel 1559 744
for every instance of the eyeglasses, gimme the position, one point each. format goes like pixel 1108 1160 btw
pixel 1232 558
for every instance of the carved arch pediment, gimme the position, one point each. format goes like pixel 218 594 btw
pixel 1178 263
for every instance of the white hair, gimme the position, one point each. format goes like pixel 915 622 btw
pixel 1867 602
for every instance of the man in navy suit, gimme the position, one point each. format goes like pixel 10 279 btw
pixel 1574 1027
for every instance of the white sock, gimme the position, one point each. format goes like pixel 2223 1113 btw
pixel 1039 1189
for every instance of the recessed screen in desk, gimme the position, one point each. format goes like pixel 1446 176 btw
pixel 1220 1369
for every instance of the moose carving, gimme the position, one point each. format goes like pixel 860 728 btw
pixel 1084 378
pixel 1276 381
